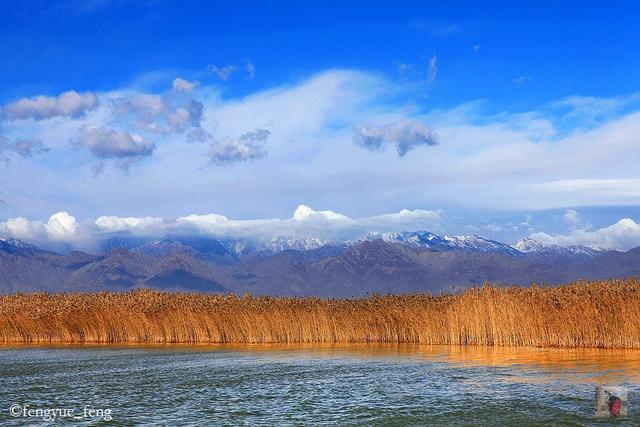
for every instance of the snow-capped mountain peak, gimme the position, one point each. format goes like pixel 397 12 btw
pixel 17 243
pixel 529 245
pixel 283 243
pixel 433 241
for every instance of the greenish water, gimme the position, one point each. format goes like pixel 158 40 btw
pixel 312 385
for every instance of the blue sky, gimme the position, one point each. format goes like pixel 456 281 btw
pixel 568 48
pixel 497 119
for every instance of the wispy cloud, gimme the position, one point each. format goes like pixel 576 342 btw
pixel 173 112
pixel 572 217
pixel 432 70
pixel 248 146
pixel 405 71
pixel 604 187
pixel 249 68
pixel 184 85
pixel 28 147
pixel 223 72
pixel 437 29
pixel 23 148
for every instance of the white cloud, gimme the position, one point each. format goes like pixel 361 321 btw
pixel 485 159
pixel 22 228
pixel 249 68
pixel 623 235
pixel 112 224
pixel 528 219
pixel 572 217
pixel 405 71
pixel 61 226
pixel 305 222
pixel 494 228
pixel 432 70
pixel 68 104
pixel 609 186
pixel 410 219
pixel 184 85
pixel 305 213
pixel 223 72
pixel 589 109
pixel 405 135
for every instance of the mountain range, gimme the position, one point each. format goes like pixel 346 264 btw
pixel 380 262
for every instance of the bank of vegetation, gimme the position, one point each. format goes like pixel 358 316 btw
pixel 603 314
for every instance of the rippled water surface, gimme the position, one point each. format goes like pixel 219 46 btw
pixel 313 385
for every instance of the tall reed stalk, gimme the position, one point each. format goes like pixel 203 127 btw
pixel 602 314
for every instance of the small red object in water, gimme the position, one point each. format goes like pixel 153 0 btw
pixel 614 405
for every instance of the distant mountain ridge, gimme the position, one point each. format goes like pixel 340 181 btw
pixel 423 239
pixel 383 262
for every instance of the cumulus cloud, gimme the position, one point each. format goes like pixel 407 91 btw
pixel 405 135
pixel 305 222
pixel 108 143
pixel 68 104
pixel 305 213
pixel 623 235
pixel 247 146
pixel 22 228
pixel 61 226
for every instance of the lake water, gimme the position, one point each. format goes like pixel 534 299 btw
pixel 312 385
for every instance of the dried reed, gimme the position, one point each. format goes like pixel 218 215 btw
pixel 602 314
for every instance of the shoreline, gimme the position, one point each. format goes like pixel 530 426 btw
pixel 300 346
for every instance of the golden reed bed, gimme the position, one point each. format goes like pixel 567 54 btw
pixel 585 314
